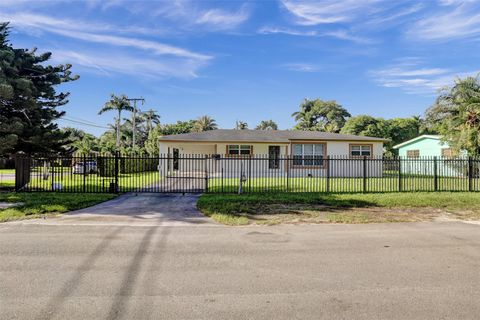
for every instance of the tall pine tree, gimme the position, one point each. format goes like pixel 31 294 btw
pixel 28 100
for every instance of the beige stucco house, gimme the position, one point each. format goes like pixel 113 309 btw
pixel 302 153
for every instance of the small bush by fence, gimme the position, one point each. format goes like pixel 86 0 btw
pixel 257 173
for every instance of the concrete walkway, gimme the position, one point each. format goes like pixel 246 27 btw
pixel 145 209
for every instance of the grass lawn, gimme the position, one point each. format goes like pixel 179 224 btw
pixel 93 182
pixel 314 184
pixel 12 171
pixel 34 205
pixel 7 183
pixel 273 208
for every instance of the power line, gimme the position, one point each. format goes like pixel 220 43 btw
pixel 82 120
pixel 83 123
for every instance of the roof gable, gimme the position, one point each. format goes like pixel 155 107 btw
pixel 417 139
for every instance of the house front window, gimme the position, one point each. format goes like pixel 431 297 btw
pixel 239 149
pixel 360 150
pixel 308 154
pixel 447 152
pixel 413 154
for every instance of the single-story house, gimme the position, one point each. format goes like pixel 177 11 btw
pixel 421 153
pixel 263 152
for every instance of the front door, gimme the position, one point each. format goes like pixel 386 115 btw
pixel 273 157
pixel 176 155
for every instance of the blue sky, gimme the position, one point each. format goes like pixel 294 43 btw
pixel 252 60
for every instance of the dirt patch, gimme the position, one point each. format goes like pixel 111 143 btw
pixel 276 214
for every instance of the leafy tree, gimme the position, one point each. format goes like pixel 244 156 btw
pixel 396 130
pixel 319 115
pixel 118 104
pixel 205 123
pixel 267 125
pixel 241 125
pixel 87 145
pixel 28 99
pixel 107 142
pixel 80 141
pixel 403 129
pixel 456 115
pixel 364 125
pixel 177 128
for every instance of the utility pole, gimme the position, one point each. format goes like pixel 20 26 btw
pixel 134 116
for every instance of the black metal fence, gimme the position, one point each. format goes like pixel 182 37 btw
pixel 236 174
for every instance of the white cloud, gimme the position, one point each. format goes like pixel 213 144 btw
pixel 301 67
pixel 397 16
pixel 30 22
pixel 152 46
pixel 345 35
pixel 222 19
pixel 338 34
pixel 107 63
pixel 293 32
pixel 310 13
pixel 413 78
pixel 76 30
pixel 156 59
pixel 461 22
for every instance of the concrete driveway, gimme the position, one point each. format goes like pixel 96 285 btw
pixel 377 271
pixel 142 209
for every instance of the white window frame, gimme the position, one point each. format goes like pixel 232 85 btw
pixel 309 160
pixel 239 148
pixel 364 150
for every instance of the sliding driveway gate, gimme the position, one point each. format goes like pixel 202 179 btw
pixel 234 174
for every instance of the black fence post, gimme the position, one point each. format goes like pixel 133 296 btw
pixel 221 178
pixel 116 167
pixel 287 164
pixel 328 174
pixel 19 172
pixel 364 173
pixel 206 174
pixel 400 174
pixel 470 174
pixel 435 174
pixel 84 172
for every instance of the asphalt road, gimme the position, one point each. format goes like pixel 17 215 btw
pixel 382 271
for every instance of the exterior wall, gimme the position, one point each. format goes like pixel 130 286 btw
pixel 259 166
pixel 428 147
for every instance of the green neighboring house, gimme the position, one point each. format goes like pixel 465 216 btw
pixel 424 146
pixel 423 153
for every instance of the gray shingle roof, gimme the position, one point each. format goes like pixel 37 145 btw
pixel 227 135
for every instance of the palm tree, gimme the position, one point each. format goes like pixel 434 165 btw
pixel 457 110
pixel 267 125
pixel 86 145
pixel 205 123
pixel 241 125
pixel 119 104
pixel 305 107
pixel 151 117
